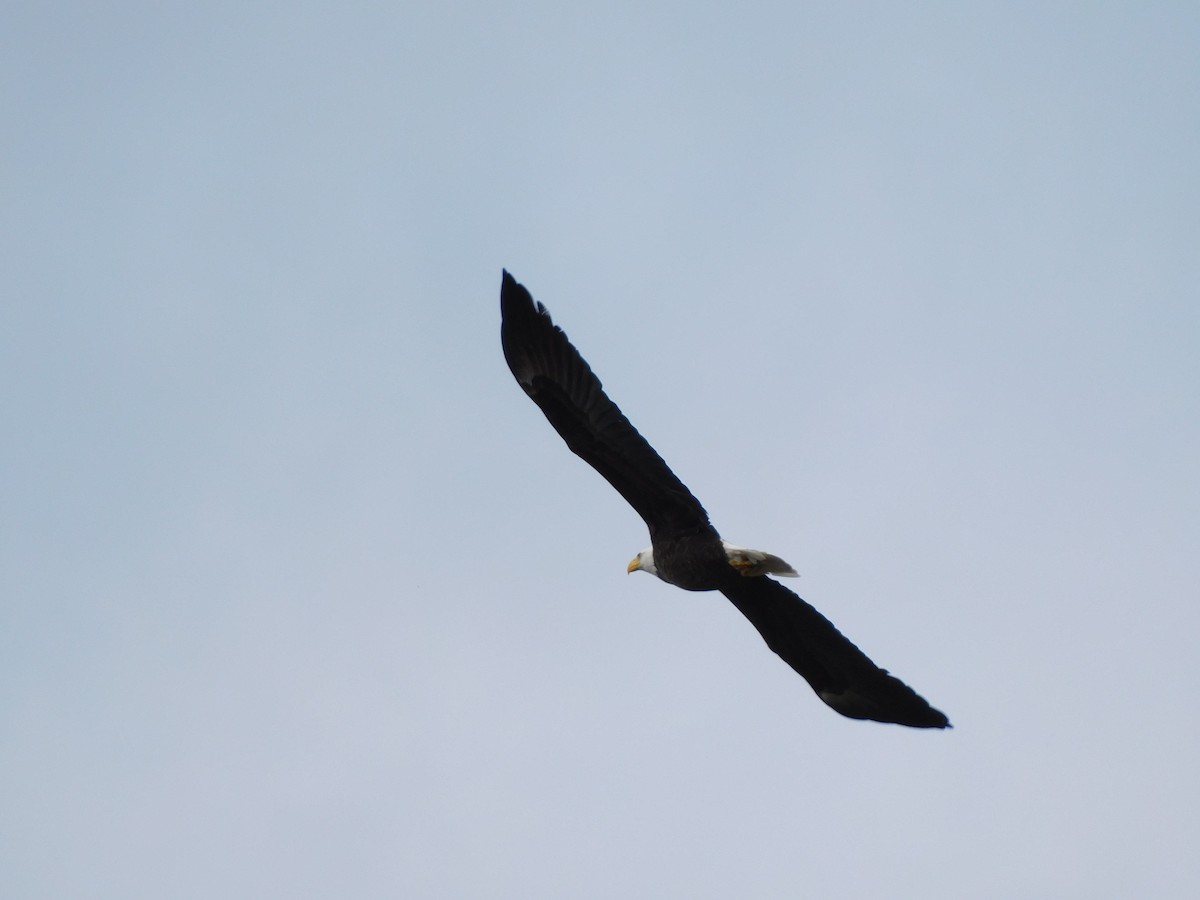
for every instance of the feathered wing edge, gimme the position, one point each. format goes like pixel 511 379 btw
pixel 561 383
pixel 841 674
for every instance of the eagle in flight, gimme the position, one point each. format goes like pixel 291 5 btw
pixel 685 550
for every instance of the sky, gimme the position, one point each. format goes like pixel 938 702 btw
pixel 300 596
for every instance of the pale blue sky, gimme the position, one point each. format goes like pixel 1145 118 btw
pixel 300 596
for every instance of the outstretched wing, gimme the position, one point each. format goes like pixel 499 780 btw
pixel 839 672
pixel 558 380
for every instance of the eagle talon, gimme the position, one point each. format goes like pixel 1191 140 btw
pixel 744 567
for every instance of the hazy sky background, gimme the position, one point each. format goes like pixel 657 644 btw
pixel 301 597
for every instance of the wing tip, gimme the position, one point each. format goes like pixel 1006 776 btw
pixel 516 300
pixel 529 338
pixel 912 711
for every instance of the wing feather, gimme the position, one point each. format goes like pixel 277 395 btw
pixel 841 674
pixel 561 383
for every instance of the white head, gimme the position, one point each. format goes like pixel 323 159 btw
pixel 643 562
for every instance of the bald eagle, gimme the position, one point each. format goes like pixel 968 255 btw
pixel 685 550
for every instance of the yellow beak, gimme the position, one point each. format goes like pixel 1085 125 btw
pixel 633 566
